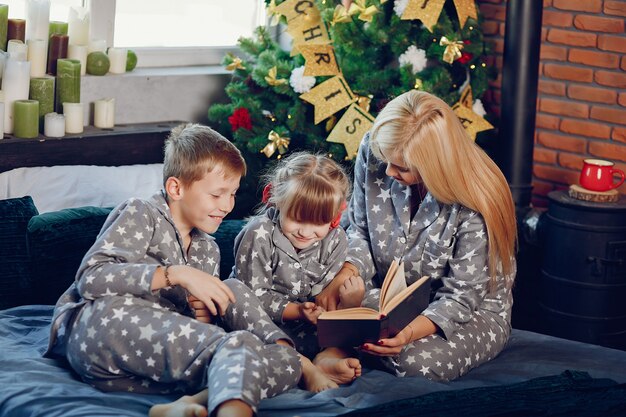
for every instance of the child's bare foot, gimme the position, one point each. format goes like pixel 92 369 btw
pixel 183 407
pixel 314 379
pixel 351 292
pixel 340 370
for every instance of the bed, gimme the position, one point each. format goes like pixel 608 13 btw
pixel 536 374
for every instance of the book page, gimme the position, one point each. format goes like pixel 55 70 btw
pixel 397 299
pixel 351 313
pixel 394 284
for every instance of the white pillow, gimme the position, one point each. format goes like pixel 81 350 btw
pixel 58 187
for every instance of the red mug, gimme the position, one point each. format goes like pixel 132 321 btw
pixel 597 175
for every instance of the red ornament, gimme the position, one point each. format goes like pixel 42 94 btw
pixel 240 118
pixel 465 58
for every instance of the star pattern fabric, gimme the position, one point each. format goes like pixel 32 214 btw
pixel 446 242
pixel 268 263
pixel 118 334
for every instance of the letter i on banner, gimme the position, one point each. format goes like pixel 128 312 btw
pixel 351 128
pixel 329 97
pixel 427 11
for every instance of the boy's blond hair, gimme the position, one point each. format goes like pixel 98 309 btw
pixel 308 188
pixel 193 150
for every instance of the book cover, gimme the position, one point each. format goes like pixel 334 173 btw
pixel 398 306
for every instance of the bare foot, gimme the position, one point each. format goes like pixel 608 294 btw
pixel 183 407
pixel 314 379
pixel 351 292
pixel 340 370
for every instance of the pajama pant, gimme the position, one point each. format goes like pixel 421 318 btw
pixel 125 343
pixel 304 336
pixel 478 341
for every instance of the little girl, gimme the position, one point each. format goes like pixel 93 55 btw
pixel 293 248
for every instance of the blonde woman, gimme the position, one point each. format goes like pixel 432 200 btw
pixel 424 193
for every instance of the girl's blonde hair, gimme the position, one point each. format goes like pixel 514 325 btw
pixel 193 150
pixel 426 133
pixel 308 188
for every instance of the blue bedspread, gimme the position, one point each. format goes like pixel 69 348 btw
pixel 33 386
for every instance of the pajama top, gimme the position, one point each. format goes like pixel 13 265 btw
pixel 446 242
pixel 268 263
pixel 124 258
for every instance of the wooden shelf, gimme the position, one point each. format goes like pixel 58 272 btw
pixel 122 145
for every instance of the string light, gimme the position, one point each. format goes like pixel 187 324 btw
pixel 288 116
pixel 483 65
pixel 471 28
pixel 472 66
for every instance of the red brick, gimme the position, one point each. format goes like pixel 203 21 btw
pixel 569 73
pixel 608 150
pixel 556 53
pixel 584 128
pixel 558 175
pixel 554 88
pixel 490 27
pixel 611 43
pixel 558 19
pixel 547 3
pixel 564 108
pixel 591 6
pixel 623 64
pixel 571 161
pixel 597 95
pixel 615 8
pixel 546 156
pixel 542 188
pixel 621 99
pixel 544 34
pixel 619 134
pixel 608 114
pixel 493 12
pixel 562 142
pixel 593 58
pixel 573 38
pixel 599 24
pixel 545 121
pixel 498 46
pixel 610 79
pixel 540 68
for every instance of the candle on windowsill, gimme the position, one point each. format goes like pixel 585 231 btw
pixel 4 23
pixel 54 125
pixel 97 45
pixel 15 84
pixel 78 52
pixel 38 57
pixel 16 29
pixel 78 26
pixel 104 113
pixel 117 57
pixel 17 50
pixel 67 82
pixel 42 90
pixel 26 119
pixel 38 20
pixel 73 117
pixel 56 51
pixel 57 27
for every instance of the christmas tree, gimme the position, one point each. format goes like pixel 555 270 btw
pixel 346 62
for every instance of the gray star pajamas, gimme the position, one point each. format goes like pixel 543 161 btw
pixel 118 334
pixel 446 242
pixel 268 263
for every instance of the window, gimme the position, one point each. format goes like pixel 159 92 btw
pixel 59 9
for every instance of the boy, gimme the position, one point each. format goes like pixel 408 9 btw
pixel 126 323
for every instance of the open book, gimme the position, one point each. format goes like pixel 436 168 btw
pixel 399 305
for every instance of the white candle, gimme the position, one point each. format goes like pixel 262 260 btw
pixel 73 117
pixel 3 59
pixel 97 45
pixel 15 84
pixel 54 125
pixel 104 113
pixel 38 57
pixel 117 56
pixel 1 119
pixel 17 50
pixel 37 20
pixel 78 26
pixel 78 52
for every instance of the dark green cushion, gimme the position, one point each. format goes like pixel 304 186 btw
pixel 14 259
pixel 58 241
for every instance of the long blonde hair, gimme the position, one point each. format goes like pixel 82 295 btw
pixel 308 188
pixel 430 138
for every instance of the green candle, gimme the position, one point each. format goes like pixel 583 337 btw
pixel 68 83
pixel 26 114
pixel 42 90
pixel 57 28
pixel 4 25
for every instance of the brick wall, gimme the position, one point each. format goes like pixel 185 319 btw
pixel 581 106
